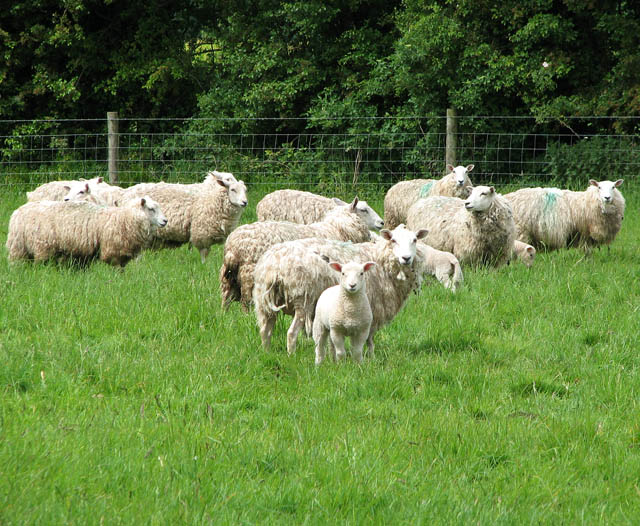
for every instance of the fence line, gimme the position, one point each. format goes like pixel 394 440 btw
pixel 302 152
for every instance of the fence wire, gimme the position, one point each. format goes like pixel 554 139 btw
pixel 301 152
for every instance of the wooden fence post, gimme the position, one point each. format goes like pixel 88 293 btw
pixel 112 129
pixel 452 138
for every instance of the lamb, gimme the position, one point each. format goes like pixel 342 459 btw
pixel 444 266
pixel 199 218
pixel 296 206
pixel 402 195
pixel 524 252
pixel 246 244
pixel 290 277
pixel 478 231
pixel 551 218
pixel 57 190
pixel 80 230
pixel 343 311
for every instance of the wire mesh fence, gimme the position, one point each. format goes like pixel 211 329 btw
pixel 322 152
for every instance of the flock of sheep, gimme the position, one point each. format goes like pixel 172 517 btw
pixel 312 257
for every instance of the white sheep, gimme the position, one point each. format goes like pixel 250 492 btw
pixel 401 196
pixel 551 218
pixel 444 266
pixel 343 311
pixel 296 206
pixel 247 243
pixel 199 218
pixel 524 252
pixel 57 190
pixel 81 191
pixel 479 230
pixel 290 277
pixel 209 183
pixel 42 230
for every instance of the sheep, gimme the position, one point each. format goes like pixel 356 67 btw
pixel 477 231
pixel 296 206
pixel 42 230
pixel 524 252
pixel 199 218
pixel 57 190
pixel 444 266
pixel 290 276
pixel 209 182
pixel 246 244
pixel 551 218
pixel 343 311
pixel 402 195
pixel 81 191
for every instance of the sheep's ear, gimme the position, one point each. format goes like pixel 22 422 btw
pixel 339 202
pixel 449 168
pixel 530 250
pixel 100 180
pixel 66 187
pixel 87 189
pixel 470 167
pixel 336 266
pixel 354 203
pixel 220 182
pixel 115 203
pixel 492 190
pixel 143 201
pixel 323 257
pixel 422 233
pixel 618 182
pixel 368 265
pixel 386 234
pixel 593 182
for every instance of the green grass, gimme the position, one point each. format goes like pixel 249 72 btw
pixel 131 398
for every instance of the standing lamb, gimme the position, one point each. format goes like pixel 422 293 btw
pixel 343 311
pixel 199 218
pixel 296 206
pixel 551 218
pixel 290 277
pixel 246 244
pixel 43 230
pixel 477 231
pixel 401 196
pixel 444 266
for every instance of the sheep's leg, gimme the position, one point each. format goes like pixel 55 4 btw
pixel 321 342
pixel 204 252
pixel 357 343
pixel 371 346
pixel 266 324
pixel 332 350
pixel 338 342
pixel 292 334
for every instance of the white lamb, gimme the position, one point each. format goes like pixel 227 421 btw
pixel 477 231
pixel 343 311
pixel 524 252
pixel 57 190
pixel 551 218
pixel 199 218
pixel 401 196
pixel 247 243
pixel 296 206
pixel 290 277
pixel 444 266
pixel 42 230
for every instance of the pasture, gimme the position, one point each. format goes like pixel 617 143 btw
pixel 132 398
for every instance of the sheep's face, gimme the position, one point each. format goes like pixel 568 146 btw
pixel 528 255
pixel 77 191
pixel 238 194
pixel 369 216
pixel 606 190
pixel 153 212
pixel 480 199
pixel 459 174
pixel 352 275
pixel 403 242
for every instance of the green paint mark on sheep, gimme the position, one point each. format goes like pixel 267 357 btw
pixel 550 199
pixel 426 189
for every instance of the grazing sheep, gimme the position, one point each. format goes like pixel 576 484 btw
pixel 444 266
pixel 477 231
pixel 401 196
pixel 343 311
pixel 525 253
pixel 551 218
pixel 296 206
pixel 57 190
pixel 199 218
pixel 43 230
pixel 290 277
pixel 246 244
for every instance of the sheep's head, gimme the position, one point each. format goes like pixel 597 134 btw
pixel 227 177
pixel 367 214
pixel 480 199
pixel 352 274
pixel 236 190
pixel 459 173
pixel 403 242
pixel 152 211
pixel 77 191
pixel 606 190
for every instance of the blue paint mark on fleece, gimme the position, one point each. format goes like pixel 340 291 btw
pixel 426 189
pixel 550 198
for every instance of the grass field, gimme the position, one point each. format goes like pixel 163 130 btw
pixel 131 398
